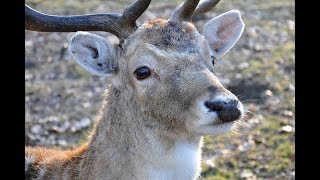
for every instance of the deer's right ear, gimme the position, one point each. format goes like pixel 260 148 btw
pixel 93 53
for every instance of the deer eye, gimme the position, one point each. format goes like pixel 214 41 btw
pixel 214 59
pixel 142 73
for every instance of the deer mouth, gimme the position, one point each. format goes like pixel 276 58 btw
pixel 219 122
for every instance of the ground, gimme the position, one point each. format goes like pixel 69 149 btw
pixel 61 99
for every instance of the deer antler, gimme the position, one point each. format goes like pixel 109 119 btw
pixel 185 12
pixel 121 25
pixel 190 8
pixel 205 6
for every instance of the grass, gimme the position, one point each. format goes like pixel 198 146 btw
pixel 270 155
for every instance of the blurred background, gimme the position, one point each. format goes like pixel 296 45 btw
pixel 62 99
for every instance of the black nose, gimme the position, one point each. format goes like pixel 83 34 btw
pixel 227 111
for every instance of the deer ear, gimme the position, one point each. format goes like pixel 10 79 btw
pixel 223 31
pixel 93 53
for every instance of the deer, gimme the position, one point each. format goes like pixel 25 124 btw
pixel 162 98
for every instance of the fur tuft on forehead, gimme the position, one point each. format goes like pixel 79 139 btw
pixel 171 35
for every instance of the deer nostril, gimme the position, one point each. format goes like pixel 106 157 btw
pixel 229 114
pixel 227 111
pixel 215 105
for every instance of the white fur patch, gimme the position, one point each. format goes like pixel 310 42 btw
pixel 182 163
pixel 207 117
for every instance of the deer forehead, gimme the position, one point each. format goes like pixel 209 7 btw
pixel 166 45
pixel 170 36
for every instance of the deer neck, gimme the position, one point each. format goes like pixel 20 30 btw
pixel 124 137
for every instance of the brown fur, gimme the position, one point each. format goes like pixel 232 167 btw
pixel 170 35
pixel 140 121
pixel 54 160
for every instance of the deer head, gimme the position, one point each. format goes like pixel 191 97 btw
pixel 165 65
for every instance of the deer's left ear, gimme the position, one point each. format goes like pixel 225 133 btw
pixel 223 31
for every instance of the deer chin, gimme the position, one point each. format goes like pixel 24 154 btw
pixel 212 126
pixel 215 129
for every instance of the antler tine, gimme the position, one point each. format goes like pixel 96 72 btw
pixel 121 25
pixel 184 13
pixel 205 6
pixel 135 10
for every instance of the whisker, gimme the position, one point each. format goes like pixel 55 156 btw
pixel 248 100
pixel 246 111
